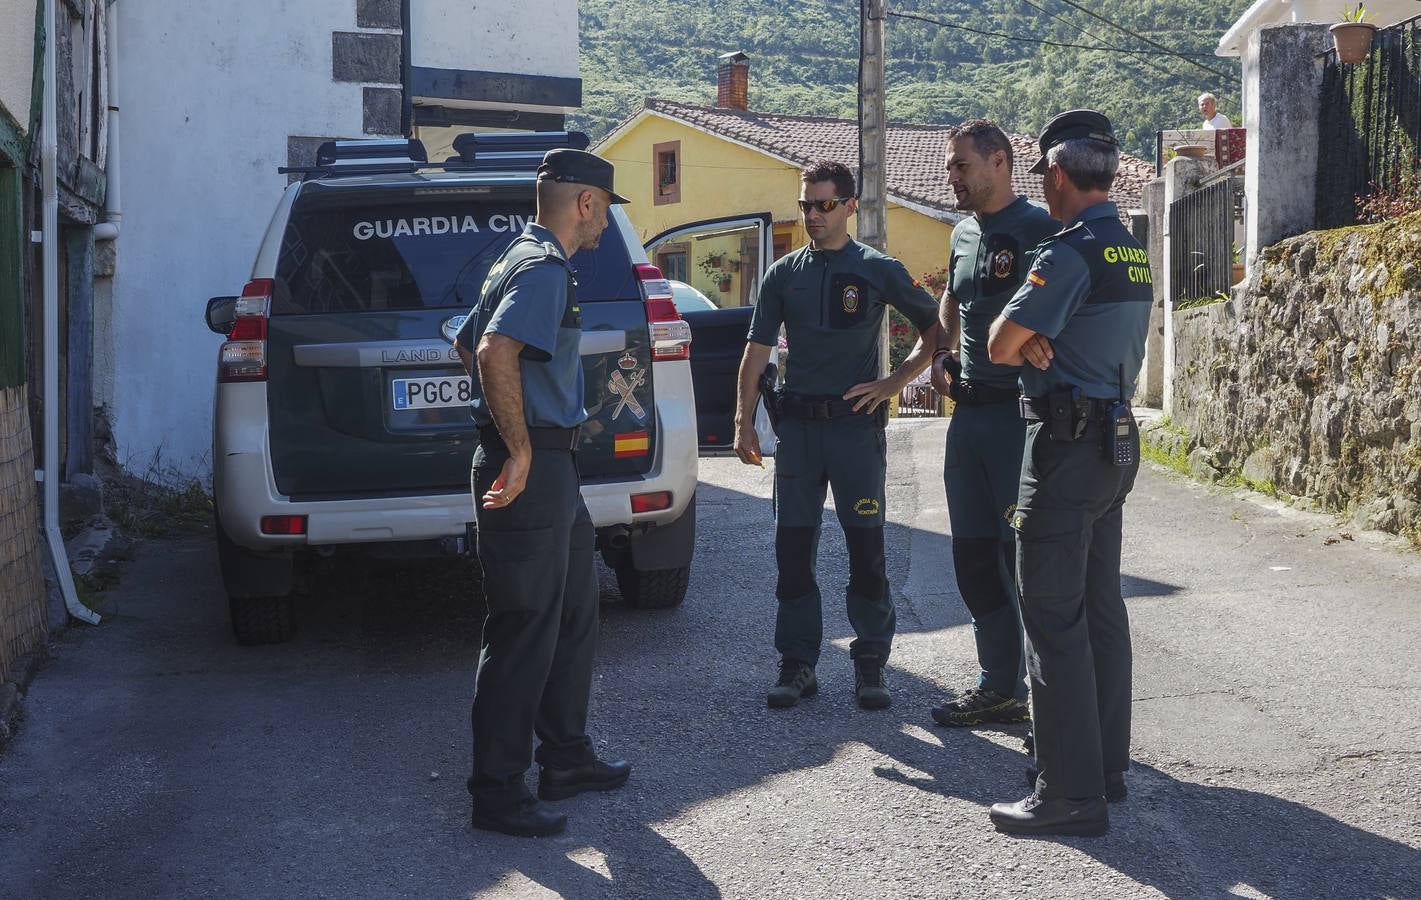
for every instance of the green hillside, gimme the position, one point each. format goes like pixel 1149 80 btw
pixel 804 59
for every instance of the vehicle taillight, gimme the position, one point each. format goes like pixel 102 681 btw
pixel 283 525
pixel 670 335
pixel 243 356
pixel 644 503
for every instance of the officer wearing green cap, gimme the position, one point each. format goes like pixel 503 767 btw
pixel 535 539
pixel 982 466
pixel 1080 322
pixel 831 297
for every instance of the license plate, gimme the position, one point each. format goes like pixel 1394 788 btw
pixel 430 393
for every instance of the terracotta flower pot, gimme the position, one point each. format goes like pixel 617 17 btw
pixel 1353 40
pixel 723 285
pixel 1238 273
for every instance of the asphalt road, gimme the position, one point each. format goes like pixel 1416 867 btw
pixel 1277 702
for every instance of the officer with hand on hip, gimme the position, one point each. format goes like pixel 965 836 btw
pixel 982 467
pixel 535 538
pixel 1080 322
pixel 831 297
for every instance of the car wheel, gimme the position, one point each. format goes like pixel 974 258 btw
pixel 258 592
pixel 653 589
pixel 262 620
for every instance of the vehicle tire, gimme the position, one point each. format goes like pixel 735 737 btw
pixel 258 592
pixel 262 620
pixel 653 589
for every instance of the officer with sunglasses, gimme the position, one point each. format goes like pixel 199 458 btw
pixel 831 297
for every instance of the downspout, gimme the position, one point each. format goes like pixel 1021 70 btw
pixel 107 230
pixel 49 153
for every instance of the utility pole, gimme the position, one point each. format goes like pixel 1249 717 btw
pixel 873 142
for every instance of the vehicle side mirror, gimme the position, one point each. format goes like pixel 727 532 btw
pixel 221 313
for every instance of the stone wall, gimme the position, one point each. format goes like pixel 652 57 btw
pixel 1308 383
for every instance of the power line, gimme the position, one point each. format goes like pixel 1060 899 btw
pixel 1095 37
pixel 1140 37
pixel 1013 37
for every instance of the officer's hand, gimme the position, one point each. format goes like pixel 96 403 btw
pixel 941 380
pixel 871 393
pixel 747 447
pixel 511 481
pixel 1037 351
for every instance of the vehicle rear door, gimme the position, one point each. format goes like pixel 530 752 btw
pixel 725 259
pixel 366 395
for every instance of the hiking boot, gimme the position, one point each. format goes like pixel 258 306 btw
pixel 979 706
pixel 870 688
pixel 796 681
pixel 1115 790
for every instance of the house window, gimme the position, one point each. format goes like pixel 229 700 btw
pixel 666 172
pixel 674 265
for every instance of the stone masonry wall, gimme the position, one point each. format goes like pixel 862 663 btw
pixel 1308 383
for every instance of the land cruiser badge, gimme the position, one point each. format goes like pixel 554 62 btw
pixel 451 326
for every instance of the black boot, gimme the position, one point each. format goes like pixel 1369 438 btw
pixel 1086 817
pixel 528 818
pixel 870 687
pixel 796 681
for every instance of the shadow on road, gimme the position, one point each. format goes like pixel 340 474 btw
pixel 327 744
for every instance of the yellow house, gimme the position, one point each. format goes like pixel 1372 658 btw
pixel 680 164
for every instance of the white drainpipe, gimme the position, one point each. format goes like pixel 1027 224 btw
pixel 49 152
pixel 107 230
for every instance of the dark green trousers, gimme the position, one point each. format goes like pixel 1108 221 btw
pixel 982 475
pixel 540 637
pixel 849 456
pixel 1068 524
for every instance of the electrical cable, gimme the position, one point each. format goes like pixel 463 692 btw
pixel 1140 37
pixel 1013 37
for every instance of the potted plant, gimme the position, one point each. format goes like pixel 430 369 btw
pixel 1353 35
pixel 1238 267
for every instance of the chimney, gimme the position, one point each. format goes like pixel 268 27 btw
pixel 733 81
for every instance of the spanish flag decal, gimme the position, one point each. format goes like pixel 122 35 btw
pixel 1036 279
pixel 633 443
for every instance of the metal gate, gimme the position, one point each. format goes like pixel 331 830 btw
pixel 1201 230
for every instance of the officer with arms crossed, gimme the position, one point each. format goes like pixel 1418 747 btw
pixel 831 297
pixel 535 539
pixel 982 469
pixel 1080 321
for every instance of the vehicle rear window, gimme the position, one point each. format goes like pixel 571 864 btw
pixel 430 253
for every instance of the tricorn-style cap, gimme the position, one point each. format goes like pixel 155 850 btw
pixel 1078 123
pixel 579 167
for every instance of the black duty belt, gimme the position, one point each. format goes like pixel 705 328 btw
pixel 971 393
pixel 799 406
pixel 538 438
pixel 1038 409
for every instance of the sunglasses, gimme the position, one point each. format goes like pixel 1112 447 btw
pixel 824 206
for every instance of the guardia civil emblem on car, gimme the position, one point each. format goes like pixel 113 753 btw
pixel 451 326
pixel 851 299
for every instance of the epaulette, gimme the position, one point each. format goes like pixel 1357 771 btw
pixel 1065 231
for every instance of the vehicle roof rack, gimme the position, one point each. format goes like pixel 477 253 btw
pixel 366 157
pixel 517 150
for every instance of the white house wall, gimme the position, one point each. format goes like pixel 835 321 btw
pixel 536 37
pixel 210 92
pixel 17 39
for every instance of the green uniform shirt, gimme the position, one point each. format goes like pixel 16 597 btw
pixel 1089 291
pixel 832 304
pixel 990 259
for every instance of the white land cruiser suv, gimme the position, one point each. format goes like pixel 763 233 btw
pixel 341 411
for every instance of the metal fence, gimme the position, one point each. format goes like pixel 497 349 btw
pixel 1369 125
pixel 1201 232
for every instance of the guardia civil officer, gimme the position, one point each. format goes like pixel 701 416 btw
pixel 831 297
pixel 1080 321
pixel 982 468
pixel 535 539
